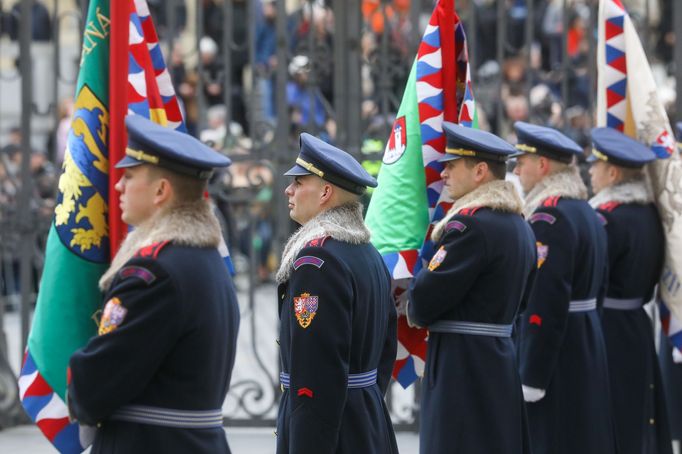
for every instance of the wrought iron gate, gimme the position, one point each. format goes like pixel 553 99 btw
pixel 346 60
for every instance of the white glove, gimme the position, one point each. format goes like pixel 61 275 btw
pixel 532 394
pixel 677 356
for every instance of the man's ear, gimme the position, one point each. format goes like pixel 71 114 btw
pixel 163 192
pixel 482 170
pixel 614 173
pixel 326 192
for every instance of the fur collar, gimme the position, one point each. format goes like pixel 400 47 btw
pixel 633 191
pixel 565 183
pixel 186 225
pixel 498 195
pixel 343 223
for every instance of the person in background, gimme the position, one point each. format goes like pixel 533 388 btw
pixel 624 203
pixel 561 345
pixel 468 298
pixel 155 377
pixel 337 316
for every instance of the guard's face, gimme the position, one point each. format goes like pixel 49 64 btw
pixel 303 195
pixel 458 178
pixel 600 177
pixel 528 170
pixel 137 190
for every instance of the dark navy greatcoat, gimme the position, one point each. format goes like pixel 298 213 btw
pixel 174 348
pixel 472 400
pixel 636 247
pixel 337 318
pixel 563 352
pixel 671 373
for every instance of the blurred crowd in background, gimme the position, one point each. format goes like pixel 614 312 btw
pixel 527 84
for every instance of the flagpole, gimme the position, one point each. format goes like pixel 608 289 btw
pixel 677 25
pixel 118 107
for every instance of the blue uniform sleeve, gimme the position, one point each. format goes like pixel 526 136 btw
pixel 320 324
pixel 441 286
pixel 544 320
pixel 138 328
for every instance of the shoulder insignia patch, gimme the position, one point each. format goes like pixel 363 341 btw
pixel 602 218
pixel 455 225
pixel 112 317
pixel 609 206
pixel 317 242
pixel 308 260
pixel 305 308
pixel 437 258
pixel 151 251
pixel 543 250
pixel 542 217
pixel 138 272
pixel 551 201
pixel 469 211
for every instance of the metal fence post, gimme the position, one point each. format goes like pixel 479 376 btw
pixel 26 231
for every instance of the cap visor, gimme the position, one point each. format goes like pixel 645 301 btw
pixel 296 171
pixel 128 161
pixel 592 158
pixel 449 157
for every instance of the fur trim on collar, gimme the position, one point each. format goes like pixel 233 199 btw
pixel 185 225
pixel 343 223
pixel 633 191
pixel 565 183
pixel 498 195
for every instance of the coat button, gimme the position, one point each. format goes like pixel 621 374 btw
pixel 651 421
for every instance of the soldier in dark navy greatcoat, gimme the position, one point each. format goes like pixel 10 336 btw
pixel 338 320
pixel 562 354
pixel 155 378
pixel 468 297
pixel 624 203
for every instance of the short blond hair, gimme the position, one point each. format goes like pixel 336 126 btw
pixel 186 189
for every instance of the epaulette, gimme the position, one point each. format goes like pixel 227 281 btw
pixel 151 251
pixel 317 242
pixel 469 211
pixel 551 202
pixel 608 206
